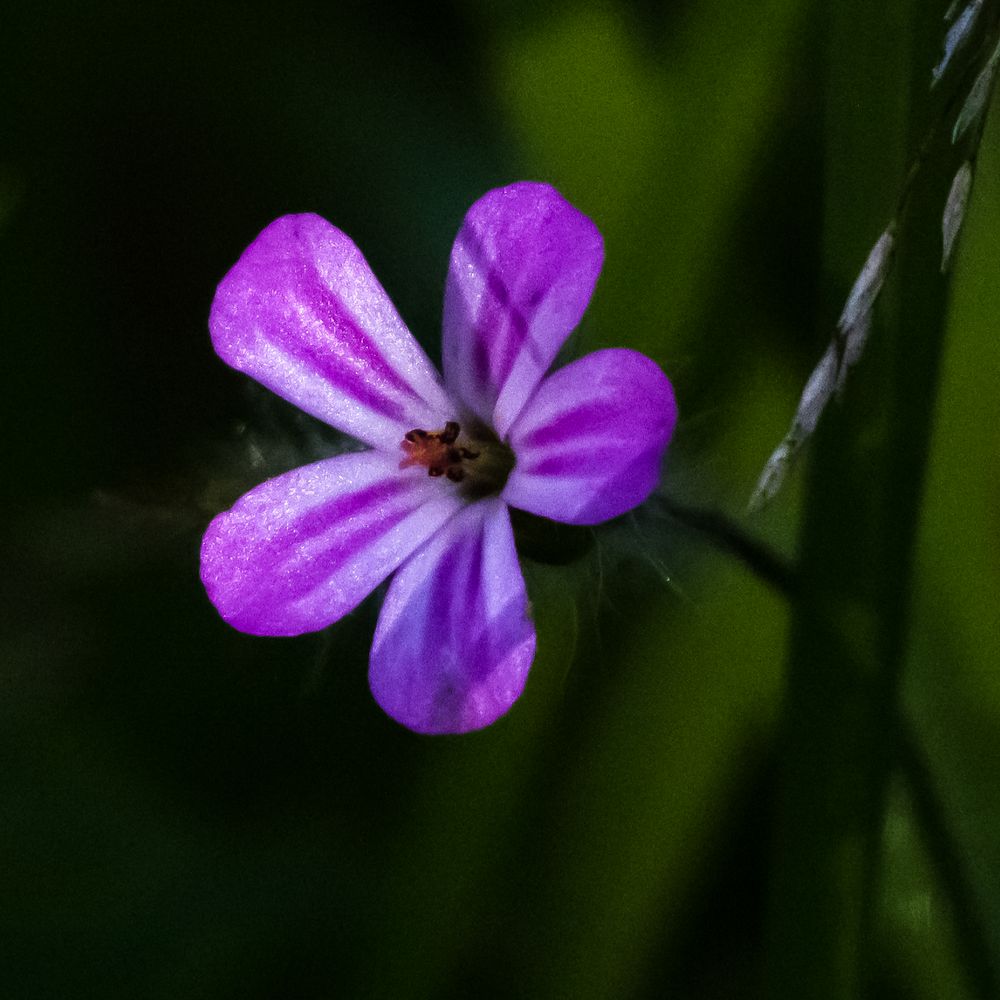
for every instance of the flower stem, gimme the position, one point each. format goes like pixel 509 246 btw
pixel 727 536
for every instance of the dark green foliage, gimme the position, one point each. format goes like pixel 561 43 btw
pixel 191 812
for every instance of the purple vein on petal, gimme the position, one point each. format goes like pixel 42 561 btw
pixel 568 463
pixel 460 573
pixel 501 314
pixel 499 328
pixel 522 271
pixel 590 441
pixel 504 317
pixel 351 383
pixel 355 518
pixel 587 418
pixel 303 314
pixel 300 550
pixel 349 339
pixel 454 640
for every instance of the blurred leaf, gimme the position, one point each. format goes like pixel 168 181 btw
pixel 658 148
pixel 954 685
pixel 917 924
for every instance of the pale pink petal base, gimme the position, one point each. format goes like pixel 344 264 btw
pixel 522 271
pixel 590 441
pixel 301 550
pixel 454 641
pixel 303 314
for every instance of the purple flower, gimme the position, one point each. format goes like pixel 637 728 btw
pixel 303 314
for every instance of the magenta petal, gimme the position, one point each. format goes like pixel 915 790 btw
pixel 590 441
pixel 301 550
pixel 454 641
pixel 303 314
pixel 522 271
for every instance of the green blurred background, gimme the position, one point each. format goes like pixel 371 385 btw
pixel 190 812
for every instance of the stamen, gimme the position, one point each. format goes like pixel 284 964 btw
pixel 482 469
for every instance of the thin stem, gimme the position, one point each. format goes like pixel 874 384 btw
pixel 730 538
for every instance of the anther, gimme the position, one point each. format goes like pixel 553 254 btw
pixel 482 470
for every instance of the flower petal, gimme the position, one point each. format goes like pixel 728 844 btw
pixel 522 271
pixel 301 550
pixel 454 641
pixel 303 314
pixel 590 441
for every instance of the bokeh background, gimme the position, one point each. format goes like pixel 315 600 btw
pixel 190 812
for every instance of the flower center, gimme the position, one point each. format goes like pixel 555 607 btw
pixel 476 458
